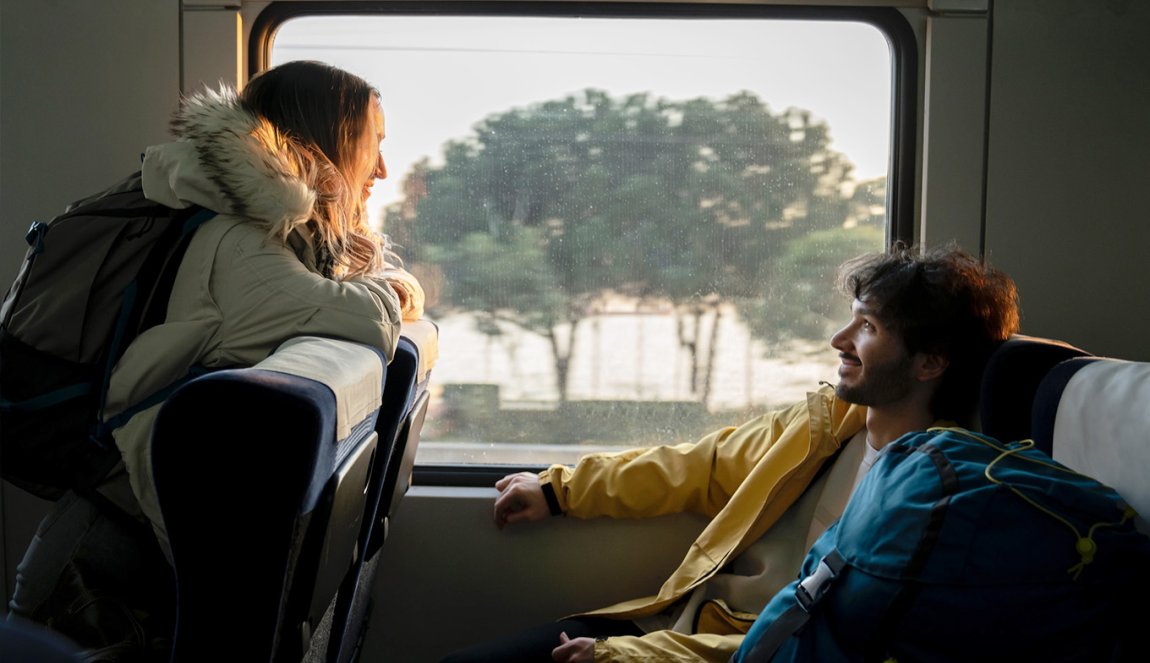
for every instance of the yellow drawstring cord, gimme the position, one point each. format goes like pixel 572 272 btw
pixel 1084 545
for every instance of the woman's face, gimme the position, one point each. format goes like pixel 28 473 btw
pixel 369 164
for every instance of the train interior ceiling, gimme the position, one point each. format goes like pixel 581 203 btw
pixel 1021 134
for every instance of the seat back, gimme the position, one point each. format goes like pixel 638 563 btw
pixel 1094 415
pixel 261 475
pixel 1011 379
pixel 402 410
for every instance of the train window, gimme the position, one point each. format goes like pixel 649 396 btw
pixel 627 224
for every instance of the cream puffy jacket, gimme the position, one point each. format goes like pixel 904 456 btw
pixel 742 477
pixel 239 292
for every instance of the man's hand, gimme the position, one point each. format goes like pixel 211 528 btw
pixel 520 500
pixel 579 650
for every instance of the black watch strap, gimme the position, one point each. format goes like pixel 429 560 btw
pixel 552 501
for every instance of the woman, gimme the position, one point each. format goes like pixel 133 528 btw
pixel 288 165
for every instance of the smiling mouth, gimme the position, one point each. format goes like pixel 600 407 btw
pixel 849 360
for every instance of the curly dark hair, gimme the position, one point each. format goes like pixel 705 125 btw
pixel 941 301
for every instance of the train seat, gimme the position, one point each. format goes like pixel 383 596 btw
pixel 406 404
pixel 261 474
pixel 1010 380
pixel 1094 413
pixel 1082 409
pixel 403 408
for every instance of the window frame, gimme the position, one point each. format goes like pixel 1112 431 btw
pixel 889 21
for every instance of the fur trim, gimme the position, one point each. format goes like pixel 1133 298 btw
pixel 260 173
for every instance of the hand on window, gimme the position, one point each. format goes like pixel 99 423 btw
pixel 520 500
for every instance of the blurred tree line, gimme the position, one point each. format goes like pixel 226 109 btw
pixel 545 212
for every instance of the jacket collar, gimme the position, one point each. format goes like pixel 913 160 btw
pixel 229 160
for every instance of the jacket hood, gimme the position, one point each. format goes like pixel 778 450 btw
pixel 229 160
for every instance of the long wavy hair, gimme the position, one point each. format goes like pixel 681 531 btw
pixel 323 111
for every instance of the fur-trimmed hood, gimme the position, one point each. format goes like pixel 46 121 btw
pixel 228 160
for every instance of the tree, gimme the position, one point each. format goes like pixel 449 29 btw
pixel 803 302
pixel 588 196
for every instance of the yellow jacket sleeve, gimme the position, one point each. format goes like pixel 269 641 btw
pixel 698 477
pixel 663 646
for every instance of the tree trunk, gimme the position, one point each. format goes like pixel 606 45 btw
pixel 712 350
pixel 691 345
pixel 562 357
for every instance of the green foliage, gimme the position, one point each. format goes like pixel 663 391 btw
pixel 803 301
pixel 502 276
pixel 545 210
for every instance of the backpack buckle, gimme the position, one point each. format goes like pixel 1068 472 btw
pixel 811 589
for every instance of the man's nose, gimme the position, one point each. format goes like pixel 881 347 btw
pixel 838 341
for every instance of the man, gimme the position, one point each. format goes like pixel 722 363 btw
pixel 921 328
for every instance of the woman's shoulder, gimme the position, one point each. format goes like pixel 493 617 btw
pixel 229 247
pixel 219 226
pixel 236 237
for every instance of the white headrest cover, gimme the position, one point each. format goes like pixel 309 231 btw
pixel 354 373
pixel 1102 429
pixel 425 335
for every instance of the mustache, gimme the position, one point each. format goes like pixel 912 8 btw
pixel 849 357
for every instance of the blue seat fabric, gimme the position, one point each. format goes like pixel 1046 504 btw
pixel 401 394
pixel 1010 381
pixel 248 472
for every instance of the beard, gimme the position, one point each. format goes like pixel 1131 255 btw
pixel 879 384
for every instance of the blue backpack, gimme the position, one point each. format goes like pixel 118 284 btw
pixel 957 547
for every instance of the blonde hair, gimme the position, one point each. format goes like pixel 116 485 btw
pixel 319 112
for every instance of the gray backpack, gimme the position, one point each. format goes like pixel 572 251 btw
pixel 93 279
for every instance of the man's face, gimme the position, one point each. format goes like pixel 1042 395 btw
pixel 876 369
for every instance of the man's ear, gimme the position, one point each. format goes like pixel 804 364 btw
pixel 930 366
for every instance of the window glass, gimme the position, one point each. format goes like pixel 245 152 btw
pixel 628 228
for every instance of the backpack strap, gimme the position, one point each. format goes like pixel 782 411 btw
pixel 106 426
pixel 808 593
pixel 47 400
pixel 166 277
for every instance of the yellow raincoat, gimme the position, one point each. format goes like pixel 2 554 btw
pixel 744 478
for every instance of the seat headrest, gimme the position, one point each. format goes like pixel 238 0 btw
pixel 1011 379
pixel 354 372
pixel 1096 414
pixel 424 335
